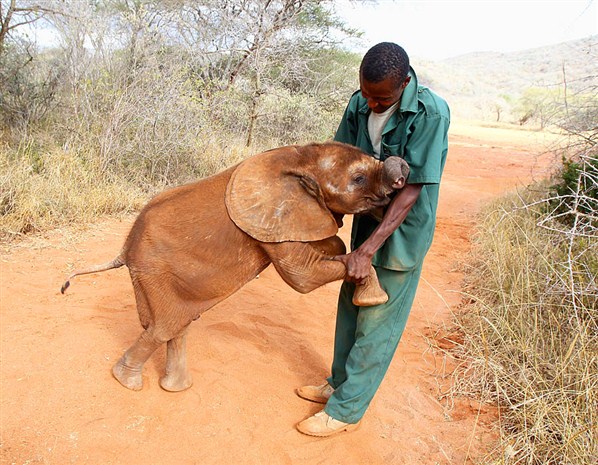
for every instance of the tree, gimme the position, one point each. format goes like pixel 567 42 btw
pixel 256 45
pixel 15 14
pixel 542 105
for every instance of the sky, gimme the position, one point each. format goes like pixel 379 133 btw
pixel 443 28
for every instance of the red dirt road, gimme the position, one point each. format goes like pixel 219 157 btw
pixel 60 404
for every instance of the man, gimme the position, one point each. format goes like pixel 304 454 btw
pixel 391 115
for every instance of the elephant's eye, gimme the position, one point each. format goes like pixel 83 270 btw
pixel 359 179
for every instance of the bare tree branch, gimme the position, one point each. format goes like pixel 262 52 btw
pixel 26 14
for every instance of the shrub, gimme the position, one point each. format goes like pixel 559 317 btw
pixel 576 191
pixel 531 334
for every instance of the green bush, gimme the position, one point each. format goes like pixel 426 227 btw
pixel 576 190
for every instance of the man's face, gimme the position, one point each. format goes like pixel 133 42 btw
pixel 382 95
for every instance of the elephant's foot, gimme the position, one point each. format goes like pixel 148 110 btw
pixel 177 377
pixel 175 382
pixel 369 293
pixel 129 378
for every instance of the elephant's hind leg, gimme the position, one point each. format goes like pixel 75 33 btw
pixel 155 302
pixel 128 369
pixel 177 377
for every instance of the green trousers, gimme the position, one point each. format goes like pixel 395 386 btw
pixel 365 341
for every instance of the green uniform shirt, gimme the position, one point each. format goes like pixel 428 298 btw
pixel 416 132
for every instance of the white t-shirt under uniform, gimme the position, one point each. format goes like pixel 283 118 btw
pixel 376 123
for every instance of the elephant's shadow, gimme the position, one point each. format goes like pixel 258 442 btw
pixel 232 332
pixel 267 341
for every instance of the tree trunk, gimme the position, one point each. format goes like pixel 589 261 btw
pixel 5 23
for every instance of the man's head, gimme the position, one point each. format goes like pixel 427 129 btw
pixel 383 75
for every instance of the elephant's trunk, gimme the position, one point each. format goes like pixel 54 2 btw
pixel 394 173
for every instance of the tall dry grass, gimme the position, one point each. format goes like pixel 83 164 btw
pixel 43 186
pixel 43 189
pixel 531 336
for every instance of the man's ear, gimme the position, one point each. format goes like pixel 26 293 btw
pixel 405 82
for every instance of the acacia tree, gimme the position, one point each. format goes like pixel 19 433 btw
pixel 252 45
pixel 27 87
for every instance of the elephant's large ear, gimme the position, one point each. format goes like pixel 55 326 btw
pixel 273 199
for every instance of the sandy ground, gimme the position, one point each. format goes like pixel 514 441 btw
pixel 60 404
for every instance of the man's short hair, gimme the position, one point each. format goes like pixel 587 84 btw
pixel 385 60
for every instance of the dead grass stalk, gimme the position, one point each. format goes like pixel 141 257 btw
pixel 531 336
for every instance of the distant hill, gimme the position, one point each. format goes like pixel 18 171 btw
pixel 476 84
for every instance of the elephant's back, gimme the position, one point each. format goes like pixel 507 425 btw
pixel 183 214
pixel 186 232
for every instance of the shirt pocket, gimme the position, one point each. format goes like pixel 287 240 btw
pixel 389 150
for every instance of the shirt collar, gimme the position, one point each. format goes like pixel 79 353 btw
pixel 409 97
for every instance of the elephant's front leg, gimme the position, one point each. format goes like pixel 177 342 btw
pixel 307 266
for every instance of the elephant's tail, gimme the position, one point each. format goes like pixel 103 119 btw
pixel 116 263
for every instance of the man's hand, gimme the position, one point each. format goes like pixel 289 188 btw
pixel 358 266
pixel 359 261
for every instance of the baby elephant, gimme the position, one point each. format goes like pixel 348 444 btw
pixel 193 246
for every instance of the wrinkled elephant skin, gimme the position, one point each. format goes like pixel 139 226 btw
pixel 195 245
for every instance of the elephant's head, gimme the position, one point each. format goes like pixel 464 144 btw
pixel 292 193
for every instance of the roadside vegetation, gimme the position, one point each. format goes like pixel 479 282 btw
pixel 530 324
pixel 134 96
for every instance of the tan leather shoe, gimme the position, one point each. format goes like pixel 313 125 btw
pixel 323 425
pixel 319 394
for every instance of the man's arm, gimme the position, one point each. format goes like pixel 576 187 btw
pixel 359 261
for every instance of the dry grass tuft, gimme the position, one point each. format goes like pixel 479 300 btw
pixel 43 190
pixel 531 337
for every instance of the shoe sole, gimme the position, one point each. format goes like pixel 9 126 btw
pixel 318 400
pixel 346 429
